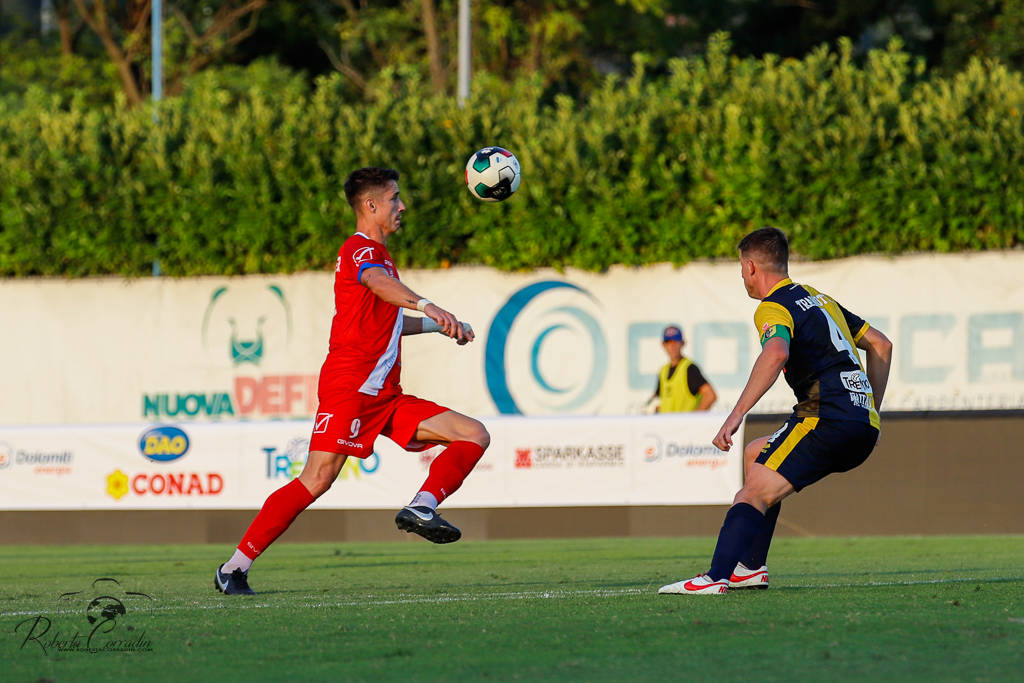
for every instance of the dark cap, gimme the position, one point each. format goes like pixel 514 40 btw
pixel 672 333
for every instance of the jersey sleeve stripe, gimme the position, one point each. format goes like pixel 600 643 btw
pixel 861 332
pixel 359 274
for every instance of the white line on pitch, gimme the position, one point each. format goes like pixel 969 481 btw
pixel 400 599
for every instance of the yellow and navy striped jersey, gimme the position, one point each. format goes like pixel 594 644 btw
pixel 824 368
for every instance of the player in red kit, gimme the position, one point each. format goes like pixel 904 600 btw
pixel 360 394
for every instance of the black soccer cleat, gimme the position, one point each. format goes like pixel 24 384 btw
pixel 235 583
pixel 427 523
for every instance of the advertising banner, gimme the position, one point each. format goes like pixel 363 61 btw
pixel 638 460
pixel 548 343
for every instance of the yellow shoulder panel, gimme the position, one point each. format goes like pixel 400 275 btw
pixel 769 313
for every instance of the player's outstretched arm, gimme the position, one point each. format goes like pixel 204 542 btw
pixel 415 325
pixel 766 370
pixel 878 350
pixel 395 293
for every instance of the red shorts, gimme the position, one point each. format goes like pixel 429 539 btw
pixel 350 424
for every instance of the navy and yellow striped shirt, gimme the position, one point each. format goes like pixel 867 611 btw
pixel 824 369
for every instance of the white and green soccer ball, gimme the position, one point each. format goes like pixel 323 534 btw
pixel 493 174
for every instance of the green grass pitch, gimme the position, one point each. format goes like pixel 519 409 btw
pixel 890 609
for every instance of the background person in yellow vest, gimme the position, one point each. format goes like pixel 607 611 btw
pixel 681 385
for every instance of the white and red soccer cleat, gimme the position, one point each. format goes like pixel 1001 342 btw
pixel 744 577
pixel 698 585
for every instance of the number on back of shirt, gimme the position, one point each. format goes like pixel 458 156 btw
pixel 858 385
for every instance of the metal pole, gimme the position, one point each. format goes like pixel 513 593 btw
pixel 158 66
pixel 465 52
pixel 47 23
pixel 158 82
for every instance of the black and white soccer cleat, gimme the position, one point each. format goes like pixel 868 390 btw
pixel 235 583
pixel 427 523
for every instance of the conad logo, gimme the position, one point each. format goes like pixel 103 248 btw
pixel 164 443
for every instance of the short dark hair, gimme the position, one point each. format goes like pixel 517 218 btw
pixel 770 244
pixel 363 179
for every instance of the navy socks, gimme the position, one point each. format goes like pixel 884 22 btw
pixel 757 556
pixel 740 529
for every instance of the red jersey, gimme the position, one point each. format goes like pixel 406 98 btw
pixel 365 348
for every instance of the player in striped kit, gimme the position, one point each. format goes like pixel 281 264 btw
pixel 360 392
pixel 834 425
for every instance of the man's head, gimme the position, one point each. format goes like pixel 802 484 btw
pixel 373 195
pixel 672 341
pixel 764 259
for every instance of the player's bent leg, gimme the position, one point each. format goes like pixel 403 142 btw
pixel 751 452
pixel 277 514
pixel 467 439
pixel 321 470
pixel 763 488
pixel 451 426
pixel 743 524
pixel 751 573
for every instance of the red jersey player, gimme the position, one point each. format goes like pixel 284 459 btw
pixel 359 391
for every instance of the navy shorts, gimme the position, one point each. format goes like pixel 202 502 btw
pixel 807 449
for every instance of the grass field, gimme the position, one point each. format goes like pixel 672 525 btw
pixel 892 609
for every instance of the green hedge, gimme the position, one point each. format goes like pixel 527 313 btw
pixel 243 173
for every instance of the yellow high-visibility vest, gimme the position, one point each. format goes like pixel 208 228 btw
pixel 675 391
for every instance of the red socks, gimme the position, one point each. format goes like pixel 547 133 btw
pixel 277 514
pixel 447 473
pixel 451 468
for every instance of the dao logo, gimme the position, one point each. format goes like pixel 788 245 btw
pixel 245 350
pixel 164 443
pixel 551 358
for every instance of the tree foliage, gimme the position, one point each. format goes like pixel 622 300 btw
pixel 243 172
pixel 569 44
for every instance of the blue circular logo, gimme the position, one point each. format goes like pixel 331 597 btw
pixel 564 396
pixel 163 443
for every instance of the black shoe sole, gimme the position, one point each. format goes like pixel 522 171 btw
pixel 434 534
pixel 748 588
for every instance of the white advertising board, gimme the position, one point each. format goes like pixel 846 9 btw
pixel 548 343
pixel 627 460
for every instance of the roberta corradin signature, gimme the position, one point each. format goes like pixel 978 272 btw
pixel 103 626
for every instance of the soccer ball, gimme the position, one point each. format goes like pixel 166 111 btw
pixel 493 174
